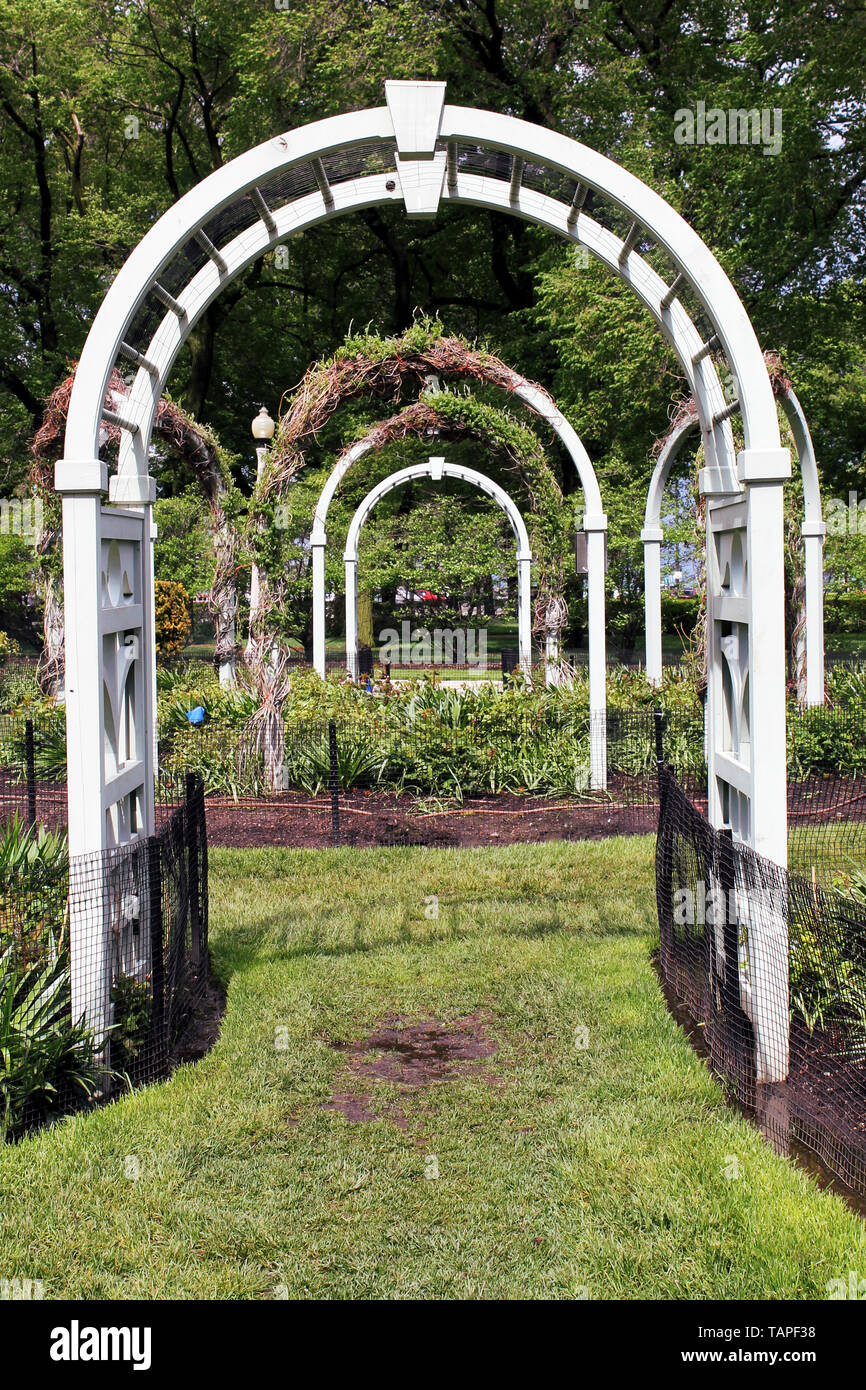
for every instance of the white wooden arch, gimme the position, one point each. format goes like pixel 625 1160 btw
pixel 813 531
pixel 437 469
pixel 419 151
pixel 594 523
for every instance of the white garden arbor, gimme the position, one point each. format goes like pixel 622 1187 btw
pixel 594 524
pixel 420 152
pixel 437 469
pixel 813 531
